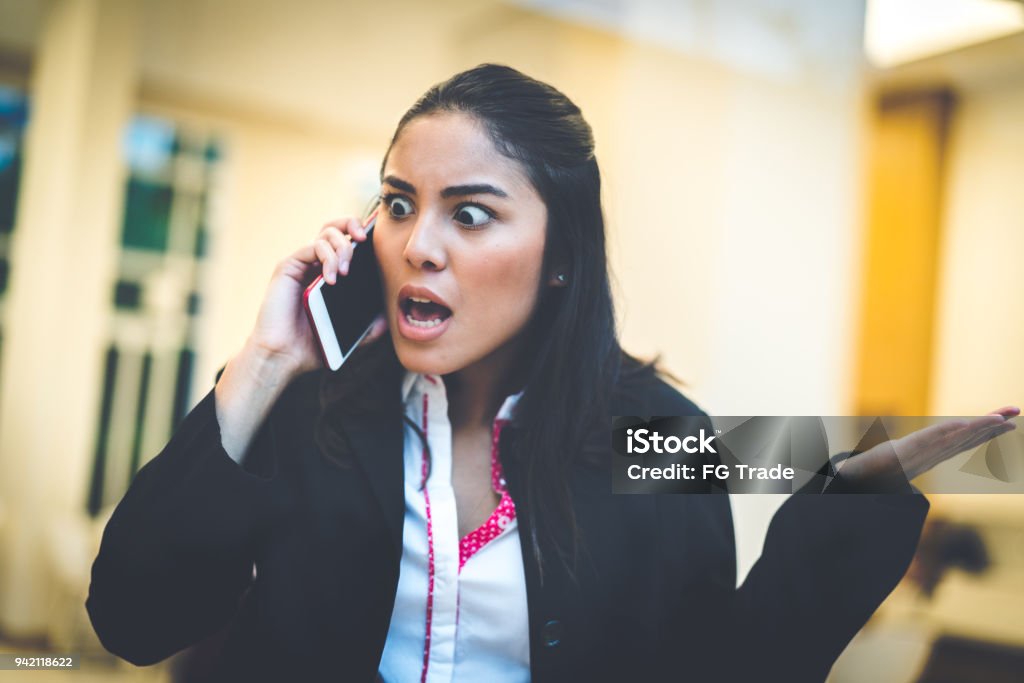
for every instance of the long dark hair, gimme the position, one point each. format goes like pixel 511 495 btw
pixel 571 361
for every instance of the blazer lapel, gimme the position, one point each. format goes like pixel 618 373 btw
pixel 550 597
pixel 378 442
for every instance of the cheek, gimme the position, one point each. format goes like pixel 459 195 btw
pixel 389 257
pixel 502 288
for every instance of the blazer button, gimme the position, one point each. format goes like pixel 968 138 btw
pixel 551 633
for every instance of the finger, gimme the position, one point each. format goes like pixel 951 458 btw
pixel 335 236
pixel 325 253
pixel 984 422
pixel 356 229
pixel 978 430
pixel 345 257
pixel 301 265
pixel 1000 428
pixel 306 254
pixel 944 440
pixel 947 436
pixel 987 435
pixel 952 432
pixel 339 223
pixel 342 245
pixel 349 226
pixel 1006 411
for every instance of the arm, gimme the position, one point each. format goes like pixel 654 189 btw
pixel 247 388
pixel 177 554
pixel 830 560
pixel 827 564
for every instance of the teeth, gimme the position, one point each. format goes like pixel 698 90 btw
pixel 421 301
pixel 423 323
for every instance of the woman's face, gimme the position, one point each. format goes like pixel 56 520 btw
pixel 462 223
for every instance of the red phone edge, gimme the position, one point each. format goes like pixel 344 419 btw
pixel 309 313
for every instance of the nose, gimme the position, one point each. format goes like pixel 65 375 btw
pixel 425 246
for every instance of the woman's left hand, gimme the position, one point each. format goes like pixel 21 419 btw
pixel 919 451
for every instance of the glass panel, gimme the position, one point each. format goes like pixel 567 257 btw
pixel 13 116
pixel 155 302
pixel 146 215
pixel 149 147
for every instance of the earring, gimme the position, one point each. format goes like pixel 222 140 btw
pixel 561 277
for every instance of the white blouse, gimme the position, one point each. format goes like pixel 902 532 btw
pixel 460 613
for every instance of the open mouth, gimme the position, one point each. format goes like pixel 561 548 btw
pixel 423 313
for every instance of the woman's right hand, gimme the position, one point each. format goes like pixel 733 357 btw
pixel 282 330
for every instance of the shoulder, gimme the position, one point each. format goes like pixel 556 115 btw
pixel 665 399
pixel 647 393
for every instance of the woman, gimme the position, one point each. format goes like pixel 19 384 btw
pixel 440 509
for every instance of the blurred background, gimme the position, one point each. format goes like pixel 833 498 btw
pixel 814 208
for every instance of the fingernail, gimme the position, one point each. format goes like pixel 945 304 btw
pixel 344 268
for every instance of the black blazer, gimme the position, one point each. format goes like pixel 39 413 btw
pixel 656 601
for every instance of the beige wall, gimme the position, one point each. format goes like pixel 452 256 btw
pixel 978 362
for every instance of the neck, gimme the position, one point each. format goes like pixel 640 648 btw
pixel 476 392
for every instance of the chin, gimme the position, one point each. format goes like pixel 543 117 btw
pixel 423 361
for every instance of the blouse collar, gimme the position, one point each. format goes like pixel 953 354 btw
pixel 431 383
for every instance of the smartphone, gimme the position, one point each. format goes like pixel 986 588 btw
pixel 342 314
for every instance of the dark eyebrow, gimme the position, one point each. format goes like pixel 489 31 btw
pixel 400 184
pixel 453 191
pixel 477 188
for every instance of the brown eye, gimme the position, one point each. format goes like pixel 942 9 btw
pixel 398 207
pixel 472 216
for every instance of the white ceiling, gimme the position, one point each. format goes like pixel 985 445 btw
pixel 781 39
pixel 317 60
